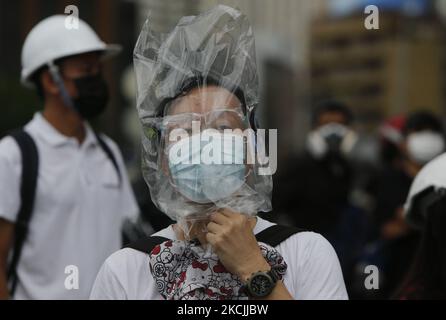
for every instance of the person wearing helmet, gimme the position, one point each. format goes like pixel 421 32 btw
pixel 58 228
pixel 414 141
pixel 425 210
pixel 422 140
pixel 197 92
pixel 409 142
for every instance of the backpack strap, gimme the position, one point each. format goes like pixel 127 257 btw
pixel 28 185
pixel 276 234
pixel 104 146
pixel 272 236
pixel 147 244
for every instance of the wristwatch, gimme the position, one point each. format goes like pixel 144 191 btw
pixel 261 283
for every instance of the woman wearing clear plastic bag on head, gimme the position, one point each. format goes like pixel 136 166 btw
pixel 197 96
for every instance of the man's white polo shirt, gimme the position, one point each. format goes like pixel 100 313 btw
pixel 78 213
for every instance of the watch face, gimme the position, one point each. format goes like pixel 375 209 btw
pixel 261 285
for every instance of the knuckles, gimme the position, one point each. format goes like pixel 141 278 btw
pixel 234 227
pixel 217 243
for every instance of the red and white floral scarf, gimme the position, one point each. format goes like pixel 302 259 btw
pixel 186 271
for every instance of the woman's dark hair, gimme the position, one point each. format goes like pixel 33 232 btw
pixel 198 82
pixel 422 120
pixel 427 276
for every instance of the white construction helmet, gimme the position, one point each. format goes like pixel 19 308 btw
pixel 51 39
pixel 432 175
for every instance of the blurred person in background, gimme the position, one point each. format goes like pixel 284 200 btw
pixel 412 143
pixel 424 140
pixel 390 187
pixel 317 191
pixel 56 231
pixel 407 144
pixel 425 210
pixel 317 185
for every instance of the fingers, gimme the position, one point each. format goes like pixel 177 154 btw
pixel 219 218
pixel 228 213
pixel 214 228
pixel 220 215
pixel 217 240
pixel 211 238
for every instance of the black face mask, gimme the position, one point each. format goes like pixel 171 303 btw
pixel 92 97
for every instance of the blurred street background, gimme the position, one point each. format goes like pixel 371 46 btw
pixel 306 50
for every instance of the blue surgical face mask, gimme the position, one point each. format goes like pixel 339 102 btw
pixel 207 171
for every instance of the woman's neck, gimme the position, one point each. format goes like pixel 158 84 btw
pixel 65 120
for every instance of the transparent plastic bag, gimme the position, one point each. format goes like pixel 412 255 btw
pixel 203 74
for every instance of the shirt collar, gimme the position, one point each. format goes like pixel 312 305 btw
pixel 53 137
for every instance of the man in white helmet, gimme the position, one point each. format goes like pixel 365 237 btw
pixel 56 230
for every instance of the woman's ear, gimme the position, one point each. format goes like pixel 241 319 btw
pixel 48 84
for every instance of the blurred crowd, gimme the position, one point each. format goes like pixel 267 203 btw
pixel 359 207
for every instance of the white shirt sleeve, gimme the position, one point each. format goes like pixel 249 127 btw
pixel 10 177
pixel 107 285
pixel 321 275
pixel 125 275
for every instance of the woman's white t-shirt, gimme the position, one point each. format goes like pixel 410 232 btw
pixel 313 270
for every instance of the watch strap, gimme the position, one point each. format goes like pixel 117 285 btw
pixel 274 274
